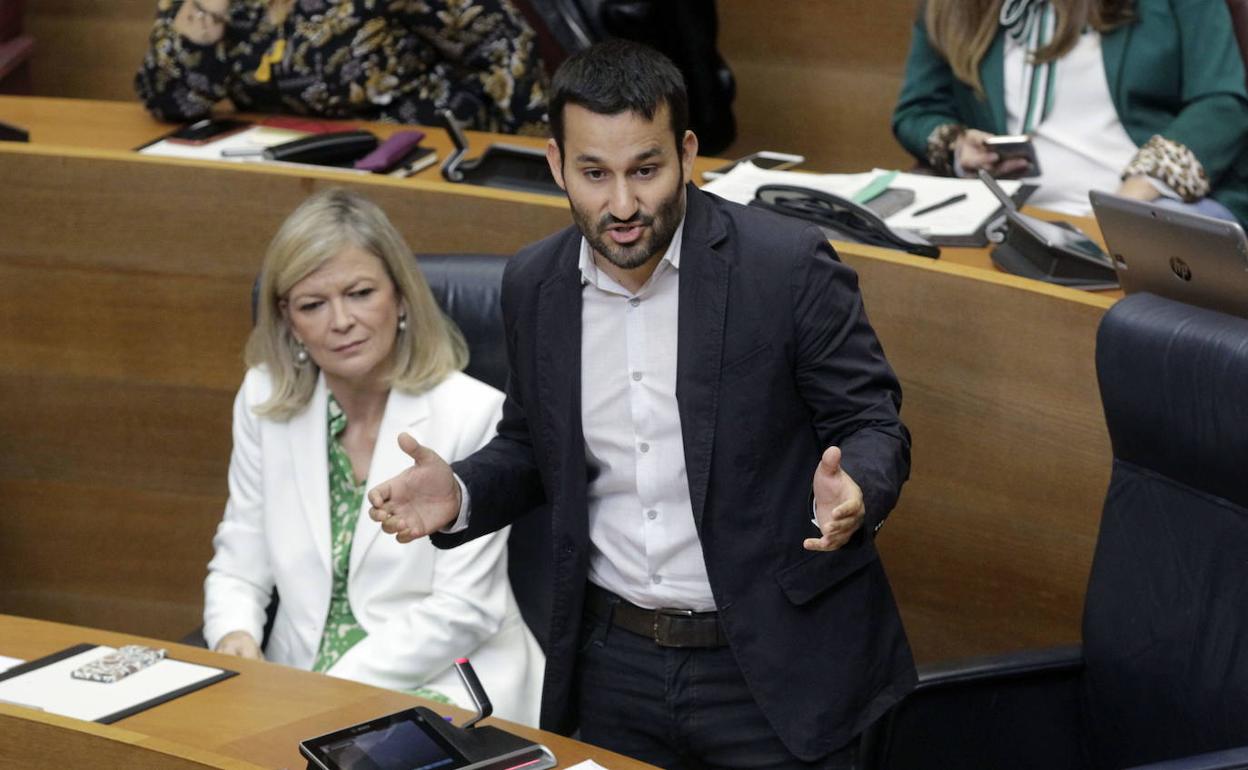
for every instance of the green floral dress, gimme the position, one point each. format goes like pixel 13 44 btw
pixel 346 497
pixel 394 60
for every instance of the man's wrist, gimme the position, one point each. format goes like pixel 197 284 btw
pixel 465 501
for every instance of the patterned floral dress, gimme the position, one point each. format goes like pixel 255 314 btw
pixel 394 60
pixel 346 497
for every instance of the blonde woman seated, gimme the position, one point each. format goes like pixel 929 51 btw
pixel 350 350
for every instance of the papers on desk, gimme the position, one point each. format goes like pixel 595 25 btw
pixel 243 147
pixel 45 684
pixel 8 663
pixel 588 764
pixel 947 225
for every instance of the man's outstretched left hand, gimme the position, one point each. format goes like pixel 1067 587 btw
pixel 839 509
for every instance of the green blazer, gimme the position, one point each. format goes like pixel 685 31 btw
pixel 1176 70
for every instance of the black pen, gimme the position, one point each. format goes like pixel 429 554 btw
pixel 946 202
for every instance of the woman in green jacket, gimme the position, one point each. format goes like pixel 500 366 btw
pixel 1145 98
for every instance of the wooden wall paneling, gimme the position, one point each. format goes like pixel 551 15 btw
pixel 990 546
pixel 818 78
pixel 88 48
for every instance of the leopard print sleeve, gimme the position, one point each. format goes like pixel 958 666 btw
pixel 940 147
pixel 1173 164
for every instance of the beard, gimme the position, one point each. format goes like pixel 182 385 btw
pixel 660 229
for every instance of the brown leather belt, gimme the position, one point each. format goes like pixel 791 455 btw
pixel 667 627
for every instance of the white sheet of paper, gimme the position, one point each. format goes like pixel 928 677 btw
pixel 52 689
pixel 588 764
pixel 961 218
pixel 739 184
pixel 8 663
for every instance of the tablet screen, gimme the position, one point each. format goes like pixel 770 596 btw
pixel 398 742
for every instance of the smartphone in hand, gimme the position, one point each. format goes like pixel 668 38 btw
pixel 1016 146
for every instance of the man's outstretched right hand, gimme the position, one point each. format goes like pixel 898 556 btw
pixel 419 501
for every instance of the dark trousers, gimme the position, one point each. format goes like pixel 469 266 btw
pixel 674 707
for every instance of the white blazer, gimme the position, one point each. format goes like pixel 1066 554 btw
pixel 422 607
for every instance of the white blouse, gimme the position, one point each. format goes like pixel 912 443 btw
pixel 1081 145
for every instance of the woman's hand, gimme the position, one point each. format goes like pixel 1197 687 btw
pixel 971 154
pixel 239 643
pixel 1138 187
pixel 202 21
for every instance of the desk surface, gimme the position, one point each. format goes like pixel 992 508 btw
pixel 261 715
pixel 121 126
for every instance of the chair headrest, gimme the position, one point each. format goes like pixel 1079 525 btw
pixel 468 288
pixel 1174 384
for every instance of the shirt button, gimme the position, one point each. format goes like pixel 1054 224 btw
pixel 644 447
pixel 636 376
pixel 634 302
pixel 652 514
pixel 656 579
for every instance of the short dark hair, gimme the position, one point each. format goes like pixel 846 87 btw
pixel 617 76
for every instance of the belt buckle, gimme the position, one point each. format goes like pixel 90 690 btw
pixel 663 625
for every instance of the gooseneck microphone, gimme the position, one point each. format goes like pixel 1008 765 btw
pixel 479 699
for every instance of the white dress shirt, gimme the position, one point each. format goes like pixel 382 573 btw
pixel 645 544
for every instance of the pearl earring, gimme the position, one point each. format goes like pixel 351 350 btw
pixel 402 324
pixel 301 354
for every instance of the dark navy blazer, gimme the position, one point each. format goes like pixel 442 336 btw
pixel 776 361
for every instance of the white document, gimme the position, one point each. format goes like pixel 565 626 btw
pixel 962 218
pixel 740 184
pixel 588 764
pixel 8 663
pixel 52 689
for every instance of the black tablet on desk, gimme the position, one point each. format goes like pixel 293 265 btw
pixel 415 739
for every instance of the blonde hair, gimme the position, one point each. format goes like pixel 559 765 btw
pixel 963 30
pixel 429 349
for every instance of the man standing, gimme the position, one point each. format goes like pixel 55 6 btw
pixel 688 379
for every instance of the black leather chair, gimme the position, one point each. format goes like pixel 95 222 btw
pixel 1162 673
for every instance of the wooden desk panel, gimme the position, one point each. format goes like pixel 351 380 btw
pixel 990 546
pixel 257 717
pixel 134 277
